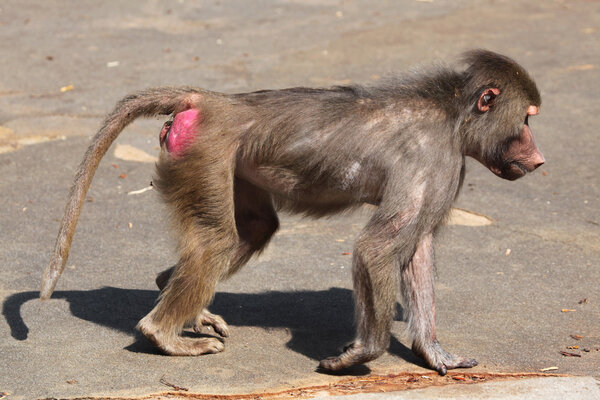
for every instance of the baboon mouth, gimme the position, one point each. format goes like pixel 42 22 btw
pixel 520 167
pixel 511 171
pixel 514 171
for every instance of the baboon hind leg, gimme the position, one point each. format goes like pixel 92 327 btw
pixel 203 209
pixel 205 319
pixel 256 221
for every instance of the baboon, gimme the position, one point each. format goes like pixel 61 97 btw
pixel 229 162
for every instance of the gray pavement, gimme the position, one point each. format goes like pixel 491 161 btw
pixel 293 305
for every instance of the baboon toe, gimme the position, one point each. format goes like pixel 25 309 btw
pixel 207 319
pixel 208 346
pixel 455 362
pixel 353 354
pixel 461 362
pixel 440 360
pixel 331 363
pixel 192 347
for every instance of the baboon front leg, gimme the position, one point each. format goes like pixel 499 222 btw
pixel 375 276
pixel 419 301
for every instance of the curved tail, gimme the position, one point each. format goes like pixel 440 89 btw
pixel 146 103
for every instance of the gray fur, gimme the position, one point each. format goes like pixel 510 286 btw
pixel 399 146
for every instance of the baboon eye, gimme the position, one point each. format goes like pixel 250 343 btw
pixel 487 99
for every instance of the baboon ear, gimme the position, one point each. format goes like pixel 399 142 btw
pixel 487 99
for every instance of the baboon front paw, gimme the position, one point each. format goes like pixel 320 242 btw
pixel 207 319
pixel 353 354
pixel 440 360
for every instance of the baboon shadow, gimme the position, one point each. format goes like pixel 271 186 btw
pixel 320 322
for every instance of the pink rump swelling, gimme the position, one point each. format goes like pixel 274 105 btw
pixel 183 130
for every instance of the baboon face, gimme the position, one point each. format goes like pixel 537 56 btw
pixel 521 155
pixel 516 155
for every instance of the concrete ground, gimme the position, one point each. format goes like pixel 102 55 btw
pixel 513 294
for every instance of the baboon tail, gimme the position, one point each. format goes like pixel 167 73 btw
pixel 146 103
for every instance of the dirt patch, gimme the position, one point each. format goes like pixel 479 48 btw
pixel 370 384
pixel 10 142
pixel 129 153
